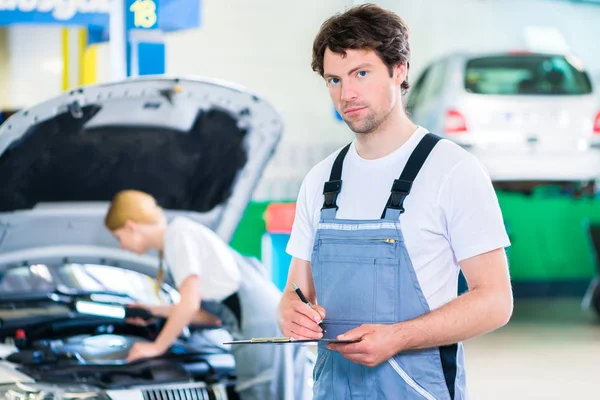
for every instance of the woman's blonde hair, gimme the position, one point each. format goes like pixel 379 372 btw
pixel 139 207
pixel 133 205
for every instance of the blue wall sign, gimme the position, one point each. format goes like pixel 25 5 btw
pixel 141 14
pixel 173 15
pixel 337 114
pixel 77 12
pixel 142 29
pixel 144 40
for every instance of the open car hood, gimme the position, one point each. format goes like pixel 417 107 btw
pixel 198 145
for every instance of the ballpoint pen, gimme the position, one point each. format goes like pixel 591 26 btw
pixel 305 300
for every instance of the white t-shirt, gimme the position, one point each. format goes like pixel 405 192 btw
pixel 192 248
pixel 452 211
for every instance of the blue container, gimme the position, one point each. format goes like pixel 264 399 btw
pixel 274 257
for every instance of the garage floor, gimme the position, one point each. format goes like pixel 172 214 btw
pixel 550 350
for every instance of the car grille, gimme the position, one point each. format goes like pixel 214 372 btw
pixel 199 391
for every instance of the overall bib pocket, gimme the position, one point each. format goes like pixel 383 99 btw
pixel 356 279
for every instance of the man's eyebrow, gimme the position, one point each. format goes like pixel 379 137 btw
pixel 361 66
pixel 353 70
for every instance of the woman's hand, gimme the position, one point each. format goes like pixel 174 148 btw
pixel 144 350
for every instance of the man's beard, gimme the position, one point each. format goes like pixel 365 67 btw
pixel 367 125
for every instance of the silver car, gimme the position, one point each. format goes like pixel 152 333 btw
pixel 198 145
pixel 526 116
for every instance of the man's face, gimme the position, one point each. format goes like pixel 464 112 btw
pixel 361 88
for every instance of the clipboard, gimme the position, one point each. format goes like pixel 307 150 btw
pixel 284 340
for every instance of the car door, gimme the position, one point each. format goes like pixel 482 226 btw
pixel 427 101
pixel 415 96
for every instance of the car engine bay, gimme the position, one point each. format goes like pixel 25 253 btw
pixel 100 360
pixel 92 350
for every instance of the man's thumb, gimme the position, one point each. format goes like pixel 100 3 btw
pixel 355 333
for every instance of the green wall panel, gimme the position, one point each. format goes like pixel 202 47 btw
pixel 549 242
pixel 247 237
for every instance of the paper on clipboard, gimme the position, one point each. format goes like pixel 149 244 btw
pixel 283 340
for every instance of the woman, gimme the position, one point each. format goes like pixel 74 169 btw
pixel 230 287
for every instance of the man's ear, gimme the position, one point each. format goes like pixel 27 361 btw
pixel 400 73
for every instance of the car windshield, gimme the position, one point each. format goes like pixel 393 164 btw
pixel 82 277
pixel 526 74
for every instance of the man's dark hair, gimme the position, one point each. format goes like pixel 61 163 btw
pixel 364 27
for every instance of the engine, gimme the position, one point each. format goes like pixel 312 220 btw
pixel 100 360
pixel 100 350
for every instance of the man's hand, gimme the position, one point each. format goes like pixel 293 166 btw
pixel 298 320
pixel 373 348
pixel 144 350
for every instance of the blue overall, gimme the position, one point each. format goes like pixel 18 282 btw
pixel 363 275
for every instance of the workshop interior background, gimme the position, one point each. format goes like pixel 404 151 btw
pixel 551 206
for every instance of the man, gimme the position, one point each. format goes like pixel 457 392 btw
pixel 383 228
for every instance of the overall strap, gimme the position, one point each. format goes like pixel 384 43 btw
pixel 333 187
pixel 401 187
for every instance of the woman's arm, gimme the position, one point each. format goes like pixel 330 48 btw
pixel 180 317
pixel 181 314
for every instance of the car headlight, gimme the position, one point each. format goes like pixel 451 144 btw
pixel 50 391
